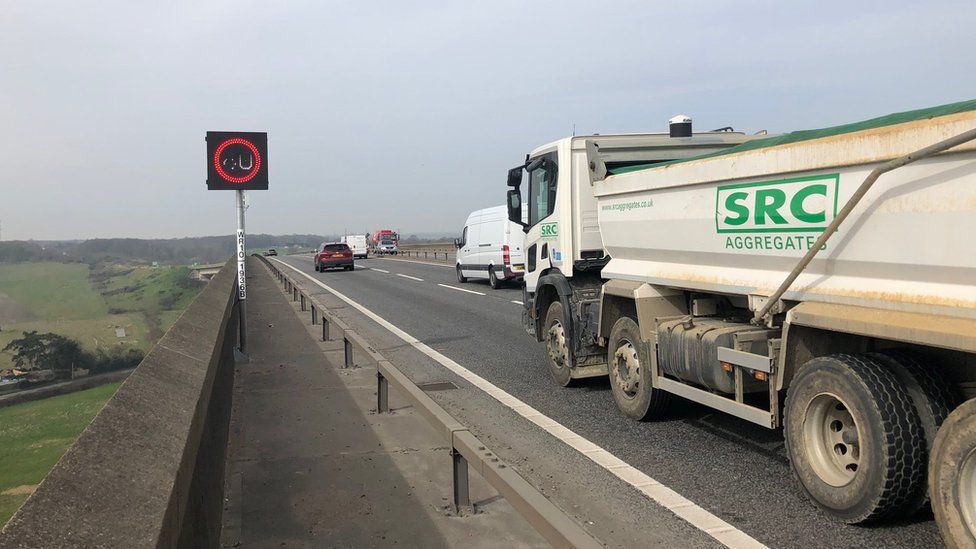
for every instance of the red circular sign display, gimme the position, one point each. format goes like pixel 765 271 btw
pixel 219 160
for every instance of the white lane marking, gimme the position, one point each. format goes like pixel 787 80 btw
pixel 517 302
pixel 410 277
pixel 412 261
pixel 688 510
pixel 460 289
pixel 380 270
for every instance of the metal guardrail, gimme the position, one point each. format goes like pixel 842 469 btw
pixel 467 452
pixel 426 254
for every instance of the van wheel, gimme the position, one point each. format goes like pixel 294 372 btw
pixel 461 278
pixel 932 398
pixel 952 477
pixel 493 280
pixel 630 373
pixel 853 438
pixel 557 346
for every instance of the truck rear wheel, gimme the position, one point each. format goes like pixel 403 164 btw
pixel 932 397
pixel 952 477
pixel 557 345
pixel 853 437
pixel 630 373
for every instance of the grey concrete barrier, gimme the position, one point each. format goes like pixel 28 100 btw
pixel 148 471
pixel 467 451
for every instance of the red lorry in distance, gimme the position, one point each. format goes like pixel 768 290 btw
pixel 384 241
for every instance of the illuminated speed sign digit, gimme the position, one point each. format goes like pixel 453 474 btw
pixel 237 161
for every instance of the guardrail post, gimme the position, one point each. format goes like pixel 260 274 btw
pixel 294 293
pixel 425 255
pixel 347 351
pixel 302 296
pixel 315 316
pixel 462 497
pixel 382 393
pixel 325 329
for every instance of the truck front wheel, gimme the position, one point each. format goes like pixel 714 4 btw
pixel 854 439
pixel 557 346
pixel 630 373
pixel 952 477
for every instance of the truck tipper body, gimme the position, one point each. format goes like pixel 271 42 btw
pixel 821 281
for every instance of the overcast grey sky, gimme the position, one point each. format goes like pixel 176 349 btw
pixel 407 114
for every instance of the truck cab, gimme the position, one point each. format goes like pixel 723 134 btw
pixel 551 197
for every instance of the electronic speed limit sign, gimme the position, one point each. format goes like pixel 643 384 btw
pixel 237 161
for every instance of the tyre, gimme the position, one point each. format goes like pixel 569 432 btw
pixel 350 267
pixel 630 373
pixel 933 399
pixel 317 268
pixel 557 345
pixel 952 477
pixel 461 278
pixel 493 280
pixel 854 440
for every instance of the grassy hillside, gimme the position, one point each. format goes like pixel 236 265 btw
pixel 89 304
pixel 48 291
pixel 34 436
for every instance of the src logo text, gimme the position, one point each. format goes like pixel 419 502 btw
pixel 805 204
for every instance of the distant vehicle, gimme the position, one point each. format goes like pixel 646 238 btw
pixel 271 252
pixel 334 255
pixel 358 244
pixel 387 247
pixel 385 241
pixel 490 247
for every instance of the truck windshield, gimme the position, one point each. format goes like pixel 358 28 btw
pixel 542 189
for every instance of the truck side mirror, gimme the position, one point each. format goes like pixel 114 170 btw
pixel 514 204
pixel 515 176
pixel 457 242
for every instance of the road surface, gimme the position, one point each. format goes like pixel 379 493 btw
pixel 736 471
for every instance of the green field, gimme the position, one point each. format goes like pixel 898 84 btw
pixel 34 436
pixel 89 304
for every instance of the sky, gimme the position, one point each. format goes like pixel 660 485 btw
pixel 407 115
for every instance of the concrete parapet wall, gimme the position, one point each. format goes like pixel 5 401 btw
pixel 148 470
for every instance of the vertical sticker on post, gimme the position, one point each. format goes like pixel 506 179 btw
pixel 241 283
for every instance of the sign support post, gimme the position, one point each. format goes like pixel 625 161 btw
pixel 241 278
pixel 238 161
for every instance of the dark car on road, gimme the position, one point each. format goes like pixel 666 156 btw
pixel 334 255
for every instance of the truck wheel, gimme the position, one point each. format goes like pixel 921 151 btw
pixel 461 278
pixel 932 397
pixel 493 280
pixel 952 477
pixel 854 440
pixel 630 373
pixel 557 346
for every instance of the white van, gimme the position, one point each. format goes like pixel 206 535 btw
pixel 490 247
pixel 357 243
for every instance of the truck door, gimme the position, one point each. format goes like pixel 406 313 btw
pixel 543 225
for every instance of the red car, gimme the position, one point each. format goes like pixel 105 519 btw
pixel 334 255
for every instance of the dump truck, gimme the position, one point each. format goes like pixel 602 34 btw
pixel 821 281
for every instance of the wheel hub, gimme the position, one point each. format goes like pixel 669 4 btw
pixel 627 368
pixel 832 439
pixel 556 344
